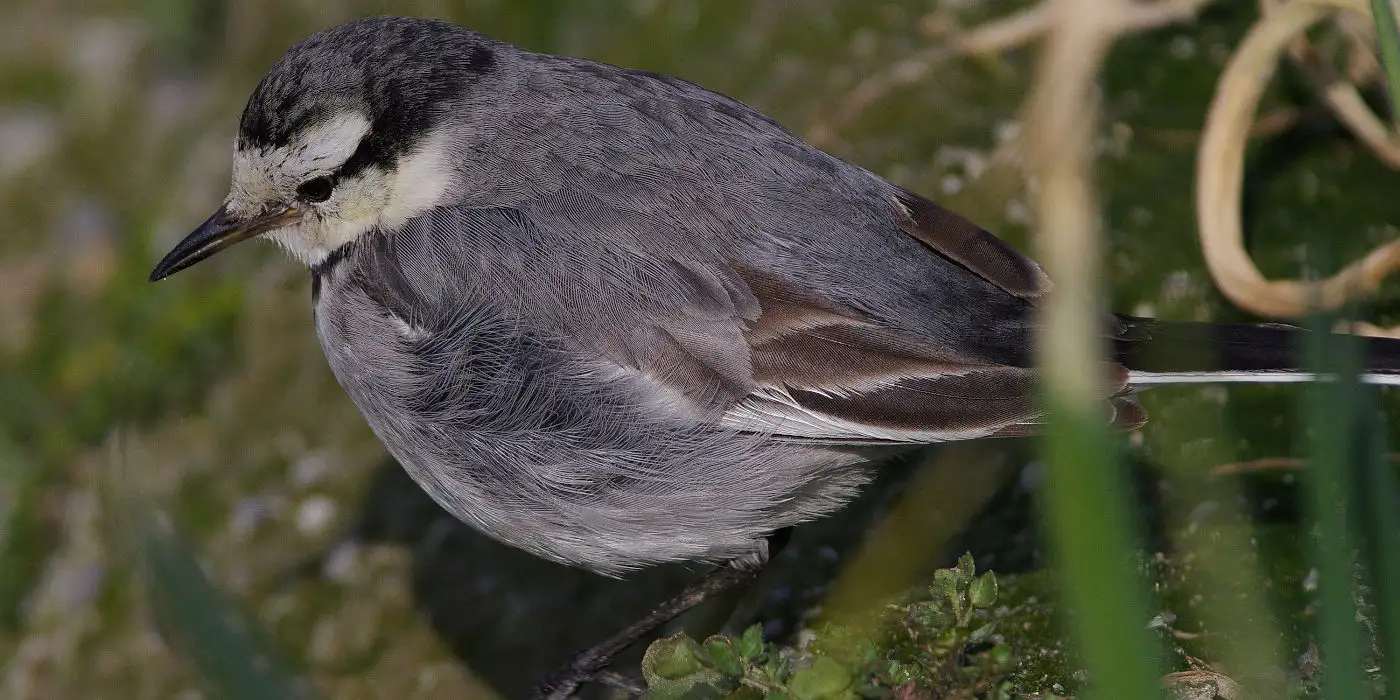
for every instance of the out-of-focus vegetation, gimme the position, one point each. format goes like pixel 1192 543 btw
pixel 116 121
pixel 942 639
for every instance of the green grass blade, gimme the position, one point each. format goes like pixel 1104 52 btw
pixel 197 618
pixel 1381 491
pixel 1388 36
pixel 1330 411
pixel 1087 505
pixel 23 541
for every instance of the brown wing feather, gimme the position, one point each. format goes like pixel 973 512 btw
pixel 971 246
pixel 827 372
pixel 772 356
pixel 980 401
pixel 802 341
pixel 697 352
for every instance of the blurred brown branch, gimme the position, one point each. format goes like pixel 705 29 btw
pixel 1265 464
pixel 1341 94
pixel 1230 123
pixel 1220 171
pixel 1021 28
pixel 1013 31
pixel 1062 117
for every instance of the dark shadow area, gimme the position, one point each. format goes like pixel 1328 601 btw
pixel 512 617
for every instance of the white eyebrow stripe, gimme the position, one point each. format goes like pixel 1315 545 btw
pixel 259 174
pixel 335 139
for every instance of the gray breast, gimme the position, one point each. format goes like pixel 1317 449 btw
pixel 547 450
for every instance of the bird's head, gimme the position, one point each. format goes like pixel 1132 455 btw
pixel 348 133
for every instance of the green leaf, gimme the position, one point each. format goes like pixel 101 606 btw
pixel 966 570
pixel 1388 37
pixel 744 692
pixel 900 673
pixel 984 591
pixel 824 680
pixel 934 617
pixel 1087 509
pixel 673 670
pixel 750 646
pixel 724 657
pixel 945 585
pixel 1332 413
pixel 950 595
pixel 776 670
pixel 671 658
pixel 1000 655
pixel 233 655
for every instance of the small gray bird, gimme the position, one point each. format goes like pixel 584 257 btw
pixel 616 319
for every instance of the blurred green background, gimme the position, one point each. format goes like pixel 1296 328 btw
pixel 199 413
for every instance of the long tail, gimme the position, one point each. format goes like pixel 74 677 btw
pixel 1169 352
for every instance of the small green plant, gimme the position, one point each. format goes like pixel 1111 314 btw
pixel 940 640
pixel 957 594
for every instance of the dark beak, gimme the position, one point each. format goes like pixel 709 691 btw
pixel 218 232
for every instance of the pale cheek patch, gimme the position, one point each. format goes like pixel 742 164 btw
pixel 379 200
pixel 360 199
pixel 422 181
pixel 373 199
pixel 313 241
pixel 350 214
pixel 297 241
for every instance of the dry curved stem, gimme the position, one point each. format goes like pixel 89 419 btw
pixel 1062 118
pixel 1371 329
pixel 1341 95
pixel 874 88
pixel 1060 126
pixel 1220 174
pixel 1004 34
pixel 1020 28
pixel 1268 464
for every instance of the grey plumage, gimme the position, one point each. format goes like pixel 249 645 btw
pixel 581 319
pixel 636 321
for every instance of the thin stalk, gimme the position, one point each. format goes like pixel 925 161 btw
pixel 1330 409
pixel 1085 499
pixel 1381 491
pixel 1388 36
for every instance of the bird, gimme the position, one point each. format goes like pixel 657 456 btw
pixel 616 319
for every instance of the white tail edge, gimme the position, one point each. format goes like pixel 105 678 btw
pixel 1256 377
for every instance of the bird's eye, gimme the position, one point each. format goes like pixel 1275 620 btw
pixel 317 189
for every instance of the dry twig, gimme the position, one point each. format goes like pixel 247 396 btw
pixel 1060 126
pixel 1220 171
pixel 1266 464
pixel 1022 27
pixel 1010 32
pixel 1341 95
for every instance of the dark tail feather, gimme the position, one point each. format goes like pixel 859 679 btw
pixel 1170 352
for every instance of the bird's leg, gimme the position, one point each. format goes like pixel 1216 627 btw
pixel 562 683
